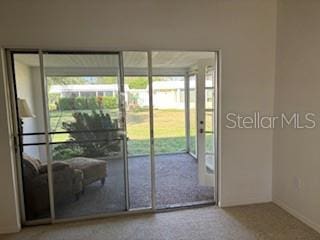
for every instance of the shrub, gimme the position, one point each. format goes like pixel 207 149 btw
pixel 85 103
pixel 92 103
pixel 110 102
pixel 92 143
pixel 80 103
pixel 66 103
pixel 62 152
pixel 138 82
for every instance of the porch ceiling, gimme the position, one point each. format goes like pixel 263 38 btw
pixel 135 63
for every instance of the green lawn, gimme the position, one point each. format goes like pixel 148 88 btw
pixel 169 128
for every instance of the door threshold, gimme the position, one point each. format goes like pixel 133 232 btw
pixel 182 206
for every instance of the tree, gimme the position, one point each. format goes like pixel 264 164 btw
pixel 106 80
pixel 57 80
pixel 137 82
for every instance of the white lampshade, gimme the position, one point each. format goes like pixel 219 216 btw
pixel 24 109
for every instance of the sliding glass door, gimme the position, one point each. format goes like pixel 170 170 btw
pixel 30 127
pixel 136 85
pixel 183 177
pixel 73 144
pixel 85 116
pixel 77 111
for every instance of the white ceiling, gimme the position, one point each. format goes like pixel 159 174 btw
pixel 160 59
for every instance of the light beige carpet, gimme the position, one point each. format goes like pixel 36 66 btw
pixel 261 221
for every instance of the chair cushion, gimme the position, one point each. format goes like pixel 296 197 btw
pixel 31 165
pixel 56 166
pixel 77 185
pixel 93 169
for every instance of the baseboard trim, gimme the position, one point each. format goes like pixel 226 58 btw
pixel 9 229
pixel 297 215
pixel 224 204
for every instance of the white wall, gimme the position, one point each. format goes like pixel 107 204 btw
pixel 244 31
pixel 297 152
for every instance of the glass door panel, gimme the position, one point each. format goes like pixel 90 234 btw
pixel 192 115
pixel 169 114
pixel 78 130
pixel 209 98
pixel 136 85
pixel 176 108
pixel 209 120
pixel 209 124
pixel 87 133
pixel 33 157
pixel 206 116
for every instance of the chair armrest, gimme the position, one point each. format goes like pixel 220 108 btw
pixel 56 166
pixel 62 184
pixel 66 184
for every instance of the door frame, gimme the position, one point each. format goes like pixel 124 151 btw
pixel 9 52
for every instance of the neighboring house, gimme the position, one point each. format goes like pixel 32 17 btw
pixel 86 90
pixel 166 94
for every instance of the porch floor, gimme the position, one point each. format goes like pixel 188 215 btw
pixel 176 183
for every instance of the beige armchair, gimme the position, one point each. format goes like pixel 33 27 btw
pixel 67 185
